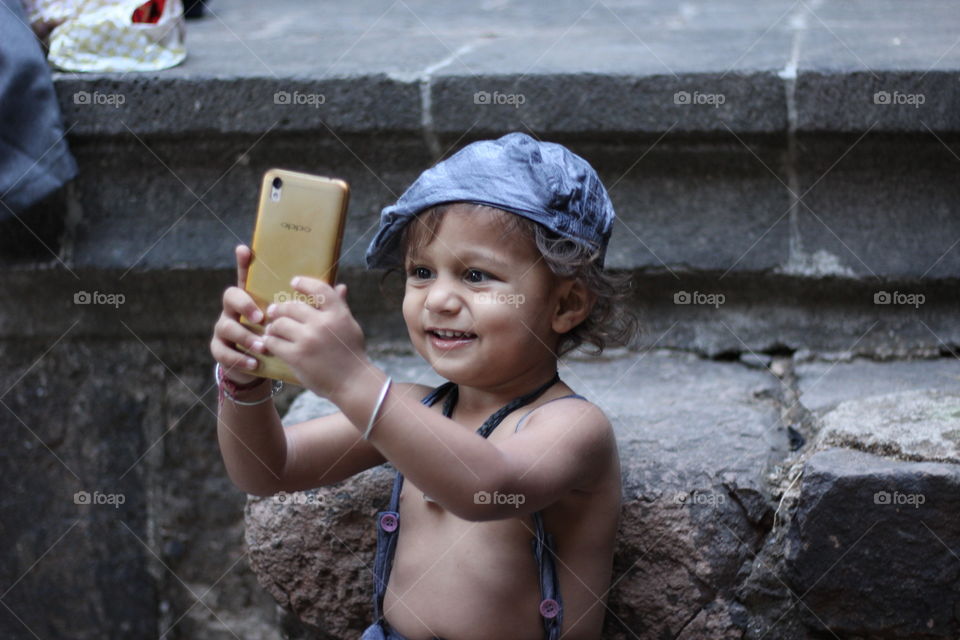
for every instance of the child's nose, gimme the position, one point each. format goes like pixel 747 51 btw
pixel 442 297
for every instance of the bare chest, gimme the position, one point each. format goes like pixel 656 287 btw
pixel 459 579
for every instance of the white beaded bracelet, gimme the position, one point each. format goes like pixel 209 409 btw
pixel 376 409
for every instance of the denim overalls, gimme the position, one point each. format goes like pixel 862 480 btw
pixel 388 526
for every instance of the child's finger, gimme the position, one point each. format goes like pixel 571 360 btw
pixel 236 301
pixel 279 336
pixel 298 310
pixel 244 256
pixel 283 328
pixel 235 364
pixel 233 333
pixel 315 287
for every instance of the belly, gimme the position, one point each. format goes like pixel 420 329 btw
pixel 460 579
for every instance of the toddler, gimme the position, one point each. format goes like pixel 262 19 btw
pixel 507 533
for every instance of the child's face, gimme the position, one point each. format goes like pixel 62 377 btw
pixel 496 288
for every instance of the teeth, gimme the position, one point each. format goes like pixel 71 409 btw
pixel 450 334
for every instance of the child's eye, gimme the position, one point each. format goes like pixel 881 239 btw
pixel 476 276
pixel 421 273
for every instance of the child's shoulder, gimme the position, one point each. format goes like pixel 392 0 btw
pixel 564 407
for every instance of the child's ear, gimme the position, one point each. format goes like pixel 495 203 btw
pixel 574 303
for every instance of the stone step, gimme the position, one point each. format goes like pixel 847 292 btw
pixel 414 67
pixel 788 184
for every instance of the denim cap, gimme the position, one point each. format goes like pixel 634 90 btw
pixel 542 181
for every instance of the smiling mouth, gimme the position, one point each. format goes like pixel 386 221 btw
pixel 444 334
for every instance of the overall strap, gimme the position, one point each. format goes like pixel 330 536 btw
pixel 551 605
pixel 494 420
pixel 569 395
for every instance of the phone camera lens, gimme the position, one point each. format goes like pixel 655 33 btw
pixel 277 183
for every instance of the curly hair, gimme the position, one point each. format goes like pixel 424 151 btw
pixel 610 321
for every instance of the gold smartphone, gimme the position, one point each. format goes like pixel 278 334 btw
pixel 299 229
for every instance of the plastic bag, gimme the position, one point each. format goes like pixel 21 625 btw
pixel 102 35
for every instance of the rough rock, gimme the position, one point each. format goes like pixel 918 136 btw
pixel 873 549
pixel 869 533
pixel 313 551
pixel 915 425
pixel 825 384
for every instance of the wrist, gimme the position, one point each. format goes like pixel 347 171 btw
pixel 243 394
pixel 357 393
pixel 255 391
pixel 240 380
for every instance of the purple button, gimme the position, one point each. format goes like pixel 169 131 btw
pixel 549 608
pixel 389 522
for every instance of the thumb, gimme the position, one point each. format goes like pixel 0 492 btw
pixel 341 289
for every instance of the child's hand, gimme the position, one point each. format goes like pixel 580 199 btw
pixel 318 338
pixel 228 332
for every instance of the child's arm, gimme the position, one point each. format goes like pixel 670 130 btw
pixel 326 450
pixel 251 438
pixel 563 446
pixel 561 450
pixel 261 457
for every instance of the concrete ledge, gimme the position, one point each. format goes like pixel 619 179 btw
pixel 771 316
pixel 874 207
pixel 616 69
pixel 793 139
pixel 149 105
